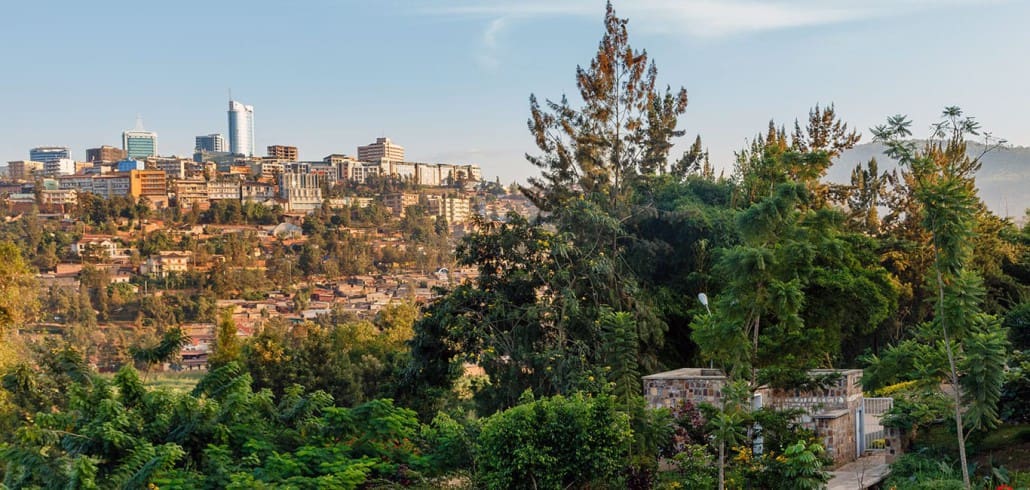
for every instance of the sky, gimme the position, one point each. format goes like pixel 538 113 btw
pixel 450 79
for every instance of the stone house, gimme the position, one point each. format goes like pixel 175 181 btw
pixel 847 422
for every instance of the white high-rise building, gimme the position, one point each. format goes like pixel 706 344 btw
pixel 61 166
pixel 241 128
pixel 382 149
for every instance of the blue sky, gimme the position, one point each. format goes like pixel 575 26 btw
pixel 450 80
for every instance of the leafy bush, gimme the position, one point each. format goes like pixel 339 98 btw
pixel 448 445
pixel 554 442
pixel 1013 406
pixel 696 468
pixel 918 471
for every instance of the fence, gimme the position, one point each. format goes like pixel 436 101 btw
pixel 873 434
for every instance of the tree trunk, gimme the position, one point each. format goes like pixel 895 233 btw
pixel 722 465
pixel 956 389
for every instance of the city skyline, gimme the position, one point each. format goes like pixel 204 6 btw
pixel 455 85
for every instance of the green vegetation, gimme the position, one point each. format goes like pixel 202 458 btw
pixel 528 375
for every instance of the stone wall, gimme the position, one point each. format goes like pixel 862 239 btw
pixel 837 431
pixel 665 390
pixel 830 411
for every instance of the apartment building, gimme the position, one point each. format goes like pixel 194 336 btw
pixel 256 191
pixel 398 202
pixel 218 190
pixel 54 198
pixel 23 169
pixel 190 193
pixel 282 153
pixel 453 209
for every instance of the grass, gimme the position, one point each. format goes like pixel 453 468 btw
pixel 1008 446
pixel 180 382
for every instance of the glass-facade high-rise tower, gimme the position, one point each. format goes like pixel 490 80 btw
pixel 138 142
pixel 47 154
pixel 211 142
pixel 241 128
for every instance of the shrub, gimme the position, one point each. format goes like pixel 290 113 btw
pixel 554 442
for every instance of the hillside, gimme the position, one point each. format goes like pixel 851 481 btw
pixel 1004 179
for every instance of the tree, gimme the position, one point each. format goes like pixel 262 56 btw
pixel 18 301
pixel 553 443
pixel 794 289
pixel 727 426
pixel 623 130
pixel 164 351
pixel 227 343
pixel 693 161
pixel 545 313
pixel 944 185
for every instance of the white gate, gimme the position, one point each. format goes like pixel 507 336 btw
pixel 871 434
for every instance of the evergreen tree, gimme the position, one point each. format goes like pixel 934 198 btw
pixel 624 128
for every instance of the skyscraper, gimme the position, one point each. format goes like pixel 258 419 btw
pixel 241 128
pixel 211 142
pixel 138 142
pixel 48 154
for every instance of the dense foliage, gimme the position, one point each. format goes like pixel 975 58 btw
pixel 528 374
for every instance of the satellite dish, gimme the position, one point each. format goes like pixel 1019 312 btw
pixel 703 298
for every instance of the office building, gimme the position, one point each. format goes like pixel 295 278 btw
pixel 111 185
pixel 105 154
pixel 23 169
pixel 80 183
pixel 152 184
pixel 241 128
pixel 283 153
pixel 134 183
pixel 129 164
pixel 302 192
pixel 343 164
pixel 61 166
pixel 138 142
pixel 214 142
pixel 382 149
pixel 49 153
pixel 173 167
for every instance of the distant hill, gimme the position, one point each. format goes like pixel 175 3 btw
pixel 1004 178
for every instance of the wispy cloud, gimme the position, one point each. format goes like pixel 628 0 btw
pixel 706 19
pixel 487 57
